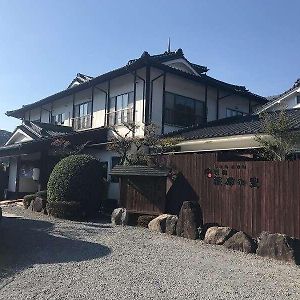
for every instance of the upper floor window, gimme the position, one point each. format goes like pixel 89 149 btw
pixel 83 116
pixel 58 119
pixel 183 111
pixel 232 113
pixel 120 109
pixel 298 99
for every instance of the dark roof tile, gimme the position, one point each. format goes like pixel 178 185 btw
pixel 240 125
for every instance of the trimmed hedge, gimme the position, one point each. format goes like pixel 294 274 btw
pixel 77 178
pixel 42 194
pixel 27 200
pixel 65 210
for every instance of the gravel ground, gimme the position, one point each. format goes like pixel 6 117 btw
pixel 46 258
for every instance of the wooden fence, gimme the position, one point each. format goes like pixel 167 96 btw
pixel 252 196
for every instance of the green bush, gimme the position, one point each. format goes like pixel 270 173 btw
pixel 27 200
pixel 65 210
pixel 42 194
pixel 77 178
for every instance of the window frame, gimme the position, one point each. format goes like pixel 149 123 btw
pixel 78 116
pixel 194 114
pixel 239 113
pixel 61 119
pixel 129 109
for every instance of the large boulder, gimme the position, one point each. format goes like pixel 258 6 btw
pixel 37 205
pixel 218 235
pixel 171 223
pixel 242 242
pixel 144 220
pixel 202 230
pixel 278 246
pixel 119 216
pixel 159 223
pixel 190 219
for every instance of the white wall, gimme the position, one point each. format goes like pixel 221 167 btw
pixel 12 181
pixel 124 84
pixel 64 105
pixel 234 102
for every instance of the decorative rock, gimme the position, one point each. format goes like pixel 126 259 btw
pixel 119 216
pixel 144 220
pixel 202 230
pixel 159 224
pixel 276 245
pixel 218 235
pixel 242 242
pixel 171 223
pixel 124 217
pixel 190 218
pixel 36 205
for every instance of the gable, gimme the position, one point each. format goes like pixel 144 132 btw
pixel 19 136
pixel 182 65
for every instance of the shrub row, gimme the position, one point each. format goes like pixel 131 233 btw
pixel 28 198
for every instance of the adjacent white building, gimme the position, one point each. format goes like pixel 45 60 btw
pixel 287 100
pixel 166 89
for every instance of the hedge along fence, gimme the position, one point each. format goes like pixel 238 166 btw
pixel 251 196
pixel 76 184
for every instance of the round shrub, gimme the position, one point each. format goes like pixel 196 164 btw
pixel 27 200
pixel 77 178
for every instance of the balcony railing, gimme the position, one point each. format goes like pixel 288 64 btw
pixel 83 122
pixel 121 116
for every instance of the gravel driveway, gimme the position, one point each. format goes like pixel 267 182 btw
pixel 46 258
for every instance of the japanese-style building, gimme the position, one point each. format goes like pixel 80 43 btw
pixel 165 89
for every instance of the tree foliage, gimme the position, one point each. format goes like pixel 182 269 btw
pixel 279 141
pixel 134 150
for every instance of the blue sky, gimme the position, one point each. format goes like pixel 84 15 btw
pixel 43 44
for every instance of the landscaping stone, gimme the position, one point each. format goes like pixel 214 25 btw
pixel 278 246
pixel 119 216
pixel 171 223
pixel 144 220
pixel 190 219
pixel 202 230
pixel 159 223
pixel 124 217
pixel 218 235
pixel 242 242
pixel 37 204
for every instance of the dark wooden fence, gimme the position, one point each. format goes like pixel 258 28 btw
pixel 143 194
pixel 252 196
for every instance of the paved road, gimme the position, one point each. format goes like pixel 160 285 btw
pixel 45 258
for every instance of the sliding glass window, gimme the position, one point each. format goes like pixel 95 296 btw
pixel 183 111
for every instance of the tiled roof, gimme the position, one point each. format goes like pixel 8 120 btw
pixel 42 130
pixel 79 79
pixel 89 138
pixel 240 125
pixel 171 55
pixel 137 170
